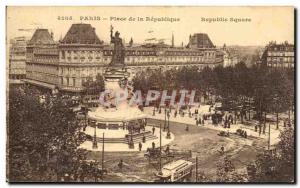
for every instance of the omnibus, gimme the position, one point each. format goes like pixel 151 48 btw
pixel 176 171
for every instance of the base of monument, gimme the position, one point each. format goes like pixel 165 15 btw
pixel 124 147
pixel 119 136
pixel 116 73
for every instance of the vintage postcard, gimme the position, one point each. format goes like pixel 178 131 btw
pixel 150 94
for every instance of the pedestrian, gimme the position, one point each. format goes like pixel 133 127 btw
pixel 167 149
pixel 242 133
pixel 197 122
pixel 153 145
pixel 153 130
pixel 144 139
pixel 222 151
pixel 120 164
pixel 187 128
pixel 140 146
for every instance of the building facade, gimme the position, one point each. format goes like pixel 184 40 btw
pixel 230 57
pixel 81 55
pixel 42 60
pixel 17 60
pixel 278 55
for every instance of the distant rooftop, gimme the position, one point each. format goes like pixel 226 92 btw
pixel 81 34
pixel 273 46
pixel 41 36
pixel 200 40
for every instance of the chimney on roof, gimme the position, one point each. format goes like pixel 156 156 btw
pixel 131 42
pixel 60 38
pixel 172 40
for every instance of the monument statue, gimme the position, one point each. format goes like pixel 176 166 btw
pixel 119 50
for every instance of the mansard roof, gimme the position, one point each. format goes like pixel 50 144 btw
pixel 201 40
pixel 41 36
pixel 81 34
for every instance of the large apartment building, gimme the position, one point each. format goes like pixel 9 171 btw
pixel 80 55
pixel 17 58
pixel 278 55
pixel 42 60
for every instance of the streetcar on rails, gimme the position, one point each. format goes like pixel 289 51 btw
pixel 176 171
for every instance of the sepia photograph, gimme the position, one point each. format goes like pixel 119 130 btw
pixel 150 94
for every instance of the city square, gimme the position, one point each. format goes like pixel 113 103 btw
pixel 82 109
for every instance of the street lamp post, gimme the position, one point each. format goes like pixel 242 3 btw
pixel 102 156
pixel 168 133
pixel 277 116
pixel 269 141
pixel 165 124
pixel 131 143
pixel 196 169
pixel 160 165
pixel 95 146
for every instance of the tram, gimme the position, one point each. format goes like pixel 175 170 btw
pixel 176 171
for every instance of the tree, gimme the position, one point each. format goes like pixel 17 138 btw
pixel 275 165
pixel 226 171
pixel 94 87
pixel 42 137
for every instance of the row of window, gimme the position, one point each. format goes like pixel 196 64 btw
pixel 138 58
pixel 70 70
pixel 53 51
pixel 42 68
pixel 68 82
pixel 71 81
pixel 41 59
pixel 42 76
pixel 282 48
pixel 281 53
pixel 69 53
pixel 281 65
pixel 281 59
pixel 17 76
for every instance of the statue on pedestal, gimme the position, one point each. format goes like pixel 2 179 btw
pixel 119 49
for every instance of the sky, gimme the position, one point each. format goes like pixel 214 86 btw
pixel 261 24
